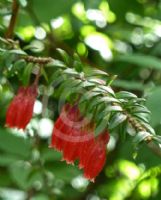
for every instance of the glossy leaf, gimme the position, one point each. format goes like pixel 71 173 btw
pixel 116 120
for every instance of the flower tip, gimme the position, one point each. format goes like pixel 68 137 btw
pixel 69 162
pixel 80 166
pixel 62 159
pixel 6 126
pixel 91 179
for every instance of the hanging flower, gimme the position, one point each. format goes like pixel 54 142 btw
pixel 75 138
pixel 66 133
pixel 95 156
pixel 20 109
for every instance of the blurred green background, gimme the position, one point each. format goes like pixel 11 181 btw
pixel 120 37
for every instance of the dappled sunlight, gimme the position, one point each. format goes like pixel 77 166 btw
pixel 37 107
pixel 95 39
pixel 45 128
pixel 148 187
pixel 56 23
pixel 40 33
pixel 80 183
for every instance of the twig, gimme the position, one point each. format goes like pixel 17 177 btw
pixel 12 23
pixel 149 140
pixel 38 60
pixel 155 148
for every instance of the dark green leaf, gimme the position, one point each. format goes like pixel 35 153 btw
pixel 100 127
pixel 88 95
pixel 116 120
pixel 146 61
pixel 7 159
pixel 56 63
pixel 20 64
pixel 141 136
pixel 124 95
pixel 72 72
pixel 107 89
pixel 96 80
pixel 26 74
pixel 64 56
pixel 17 51
pixel 10 143
pixel 108 110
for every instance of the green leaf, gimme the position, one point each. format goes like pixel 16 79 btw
pixel 97 72
pixel 104 100
pixel 157 138
pixel 69 84
pixel 125 95
pixel 19 173
pixel 72 72
pixel 77 64
pixel 64 56
pixel 108 111
pixel 106 89
pixel 17 51
pixel 141 60
pixel 26 74
pixel 88 95
pixel 116 120
pixel 100 127
pixel 130 85
pixel 10 143
pixel 96 80
pixel 130 129
pixel 153 104
pixel 63 172
pixel 148 127
pixel 56 63
pixel 7 159
pixel 141 136
pixel 44 74
pixel 56 78
pixel 142 117
pixel 87 84
pixel 50 155
pixel 20 64
pixel 139 109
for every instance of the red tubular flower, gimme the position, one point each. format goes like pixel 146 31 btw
pixel 57 141
pixel 65 131
pixel 85 146
pixel 61 129
pixel 20 109
pixel 96 156
pixel 75 138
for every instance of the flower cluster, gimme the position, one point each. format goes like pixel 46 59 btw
pixel 20 109
pixel 73 134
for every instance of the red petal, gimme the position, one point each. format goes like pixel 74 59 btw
pixel 71 149
pixel 85 150
pixel 20 109
pixel 96 161
pixel 95 156
pixel 56 139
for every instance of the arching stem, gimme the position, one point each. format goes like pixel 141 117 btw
pixel 12 23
